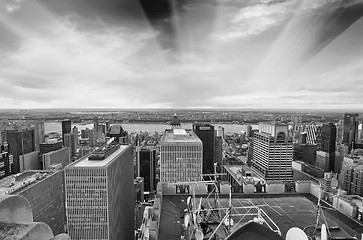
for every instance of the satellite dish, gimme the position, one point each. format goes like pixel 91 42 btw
pixel 199 235
pixel 186 220
pixel 324 235
pixel 188 200
pixel 296 234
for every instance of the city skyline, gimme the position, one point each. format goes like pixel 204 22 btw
pixel 267 54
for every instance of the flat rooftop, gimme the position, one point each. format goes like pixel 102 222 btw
pixel 285 211
pixel 236 172
pixel 16 183
pixel 180 136
pixel 85 162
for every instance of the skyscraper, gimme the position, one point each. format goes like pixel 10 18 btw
pixel 5 168
pixel 328 142
pixel 70 141
pixel 66 128
pixel 146 160
pixel 100 195
pixel 273 152
pixel 39 134
pixel 75 132
pixel 350 129
pixel 314 135
pixel 205 132
pixel 181 156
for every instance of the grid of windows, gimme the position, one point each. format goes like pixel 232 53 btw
pixel 86 201
pixel 180 162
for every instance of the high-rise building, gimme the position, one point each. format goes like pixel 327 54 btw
pixel 146 162
pixel 75 132
pixel 66 128
pixel 49 147
pixel 118 133
pixel 273 152
pixel 305 153
pixel 328 142
pixel 70 141
pixel 45 192
pixel 5 166
pixel 100 195
pixel 249 131
pixel 95 129
pixel 20 143
pixel 218 150
pixel 205 132
pixel 39 134
pixel 350 129
pixel 181 156
pixel 314 135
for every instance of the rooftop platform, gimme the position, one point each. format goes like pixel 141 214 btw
pixel 14 184
pixel 180 136
pixel 86 162
pixel 286 212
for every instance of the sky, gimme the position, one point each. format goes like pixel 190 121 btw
pixel 245 54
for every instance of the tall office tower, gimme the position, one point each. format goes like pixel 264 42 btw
pixel 66 128
pixel 273 152
pixel 350 129
pixel 146 162
pixel 70 141
pixel 314 135
pixel 175 122
pixel 218 150
pixel 219 132
pixel 95 129
pixel 20 143
pixel 305 153
pixel 75 132
pixel 181 157
pixel 205 132
pixel 118 133
pixel 328 142
pixel 39 134
pixel 100 195
pixel 249 131
pixel 5 166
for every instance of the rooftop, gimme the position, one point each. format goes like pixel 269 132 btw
pixel 286 212
pixel 180 136
pixel 13 184
pixel 86 162
pixel 236 173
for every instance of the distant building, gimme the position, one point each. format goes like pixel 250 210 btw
pixel 328 142
pixel 66 128
pixel 249 131
pixel 100 195
pixel 305 153
pixel 5 165
pixel 273 152
pixel 49 147
pixel 146 162
pixel 205 132
pixel 218 150
pixel 116 131
pixel 181 156
pixel 45 192
pixel 39 134
pixel 56 159
pixel 70 141
pixel 350 129
pixel 75 132
pixel 314 135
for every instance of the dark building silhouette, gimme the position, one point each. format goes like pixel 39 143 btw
pixel 5 168
pixel 20 143
pixel 49 147
pixel 205 132
pixel 328 141
pixel 350 129
pixel 66 128
pixel 116 131
pixel 147 163
pixel 218 149
pixel 305 153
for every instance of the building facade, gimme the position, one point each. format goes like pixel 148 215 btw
pixel 100 195
pixel 146 162
pixel 273 152
pixel 205 132
pixel 66 128
pixel 328 142
pixel 314 135
pixel 350 129
pixel 181 156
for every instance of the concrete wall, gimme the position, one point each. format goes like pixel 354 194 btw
pixel 275 188
pixel 248 188
pixel 29 161
pixel 316 190
pixel 345 206
pixel 303 186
